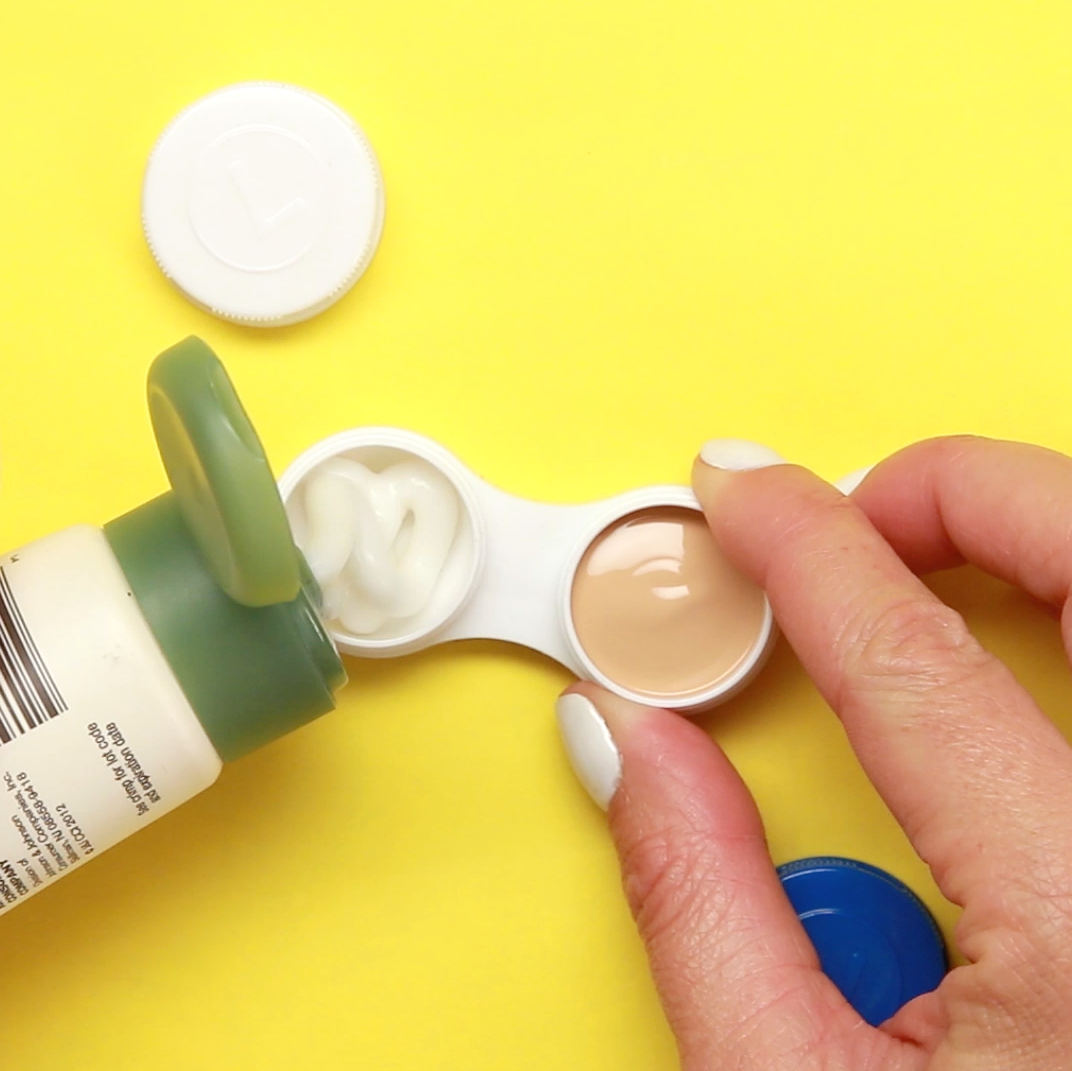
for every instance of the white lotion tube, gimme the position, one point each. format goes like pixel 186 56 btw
pixel 97 736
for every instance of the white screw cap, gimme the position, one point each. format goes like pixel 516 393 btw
pixel 263 203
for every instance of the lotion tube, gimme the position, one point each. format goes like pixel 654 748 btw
pixel 136 660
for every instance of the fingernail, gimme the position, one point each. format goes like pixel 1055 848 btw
pixel 847 484
pixel 739 455
pixel 591 750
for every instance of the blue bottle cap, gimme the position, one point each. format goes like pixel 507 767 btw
pixel 876 940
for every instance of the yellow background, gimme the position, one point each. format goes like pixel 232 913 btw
pixel 613 230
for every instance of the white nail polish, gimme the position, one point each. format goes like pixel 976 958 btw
pixel 739 455
pixel 590 748
pixel 847 484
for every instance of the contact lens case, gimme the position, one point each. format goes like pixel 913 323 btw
pixel 413 549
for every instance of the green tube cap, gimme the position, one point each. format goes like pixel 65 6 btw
pixel 215 570
pixel 221 478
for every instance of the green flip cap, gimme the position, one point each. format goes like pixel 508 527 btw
pixel 214 567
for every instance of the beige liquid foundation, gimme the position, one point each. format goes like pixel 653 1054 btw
pixel 658 608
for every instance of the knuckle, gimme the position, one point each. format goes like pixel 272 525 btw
pixel 914 644
pixel 671 883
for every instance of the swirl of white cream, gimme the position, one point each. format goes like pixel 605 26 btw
pixel 378 542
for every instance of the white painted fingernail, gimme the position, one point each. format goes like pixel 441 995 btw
pixel 847 484
pixel 739 455
pixel 591 750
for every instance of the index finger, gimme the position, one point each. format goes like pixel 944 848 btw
pixel 978 777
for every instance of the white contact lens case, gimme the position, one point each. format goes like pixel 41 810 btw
pixel 511 569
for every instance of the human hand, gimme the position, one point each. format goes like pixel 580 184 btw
pixel 976 774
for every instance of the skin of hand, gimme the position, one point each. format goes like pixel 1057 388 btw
pixel 976 774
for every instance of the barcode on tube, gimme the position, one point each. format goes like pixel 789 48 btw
pixel 28 694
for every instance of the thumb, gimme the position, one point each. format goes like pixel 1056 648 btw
pixel 738 978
